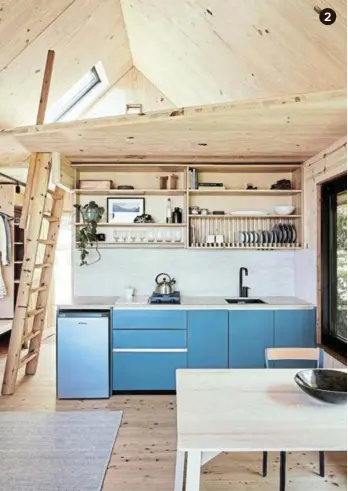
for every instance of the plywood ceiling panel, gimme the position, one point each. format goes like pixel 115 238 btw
pixel 22 21
pixel 132 88
pixel 199 53
pixel 88 31
pixel 292 128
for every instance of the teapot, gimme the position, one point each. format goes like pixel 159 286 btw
pixel 164 287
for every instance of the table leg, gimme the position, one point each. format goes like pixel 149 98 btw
pixel 179 470
pixel 322 464
pixel 193 473
pixel 282 483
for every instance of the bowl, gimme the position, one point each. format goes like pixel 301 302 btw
pixel 284 209
pixel 326 385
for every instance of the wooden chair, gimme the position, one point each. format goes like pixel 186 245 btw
pixel 283 354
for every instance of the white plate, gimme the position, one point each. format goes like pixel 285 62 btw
pixel 247 213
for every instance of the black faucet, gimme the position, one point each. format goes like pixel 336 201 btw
pixel 243 290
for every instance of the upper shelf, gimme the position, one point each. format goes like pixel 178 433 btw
pixel 241 192
pixel 130 192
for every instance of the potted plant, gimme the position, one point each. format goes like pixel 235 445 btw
pixel 91 214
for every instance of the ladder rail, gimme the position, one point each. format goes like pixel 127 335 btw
pixel 46 277
pixel 32 242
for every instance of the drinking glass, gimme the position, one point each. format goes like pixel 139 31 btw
pixel 159 236
pixel 178 235
pixel 116 236
pixel 150 236
pixel 124 234
pixel 168 236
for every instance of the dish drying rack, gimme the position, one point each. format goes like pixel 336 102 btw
pixel 230 232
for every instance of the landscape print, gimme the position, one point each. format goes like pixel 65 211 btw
pixel 124 210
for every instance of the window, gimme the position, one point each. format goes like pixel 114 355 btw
pixel 84 93
pixel 334 264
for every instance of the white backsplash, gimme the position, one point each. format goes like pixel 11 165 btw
pixel 306 275
pixel 197 272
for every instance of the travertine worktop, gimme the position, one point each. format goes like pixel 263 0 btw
pixel 187 303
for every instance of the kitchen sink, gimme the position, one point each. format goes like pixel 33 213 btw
pixel 244 301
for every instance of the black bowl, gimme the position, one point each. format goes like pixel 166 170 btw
pixel 326 385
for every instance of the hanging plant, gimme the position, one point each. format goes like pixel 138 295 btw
pixel 91 214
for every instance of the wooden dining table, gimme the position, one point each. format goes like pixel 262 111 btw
pixel 249 410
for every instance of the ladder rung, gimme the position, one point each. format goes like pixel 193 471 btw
pixel 54 196
pixel 42 265
pixel 27 358
pixel 46 242
pixel 32 313
pixel 51 218
pixel 38 289
pixel 31 335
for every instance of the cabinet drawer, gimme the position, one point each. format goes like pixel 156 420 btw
pixel 149 339
pixel 146 371
pixel 146 319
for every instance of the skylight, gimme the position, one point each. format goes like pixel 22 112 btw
pixel 79 97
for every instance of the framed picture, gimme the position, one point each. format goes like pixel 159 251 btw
pixel 124 210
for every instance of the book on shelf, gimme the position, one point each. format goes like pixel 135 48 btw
pixel 193 178
pixel 219 185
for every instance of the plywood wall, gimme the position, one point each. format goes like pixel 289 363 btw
pixel 323 167
pixel 132 88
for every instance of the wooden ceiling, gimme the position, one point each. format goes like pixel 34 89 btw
pixel 82 33
pixel 291 128
pixel 198 52
pixel 193 52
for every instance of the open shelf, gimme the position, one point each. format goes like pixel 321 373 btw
pixel 231 217
pixel 136 225
pixel 130 192
pixel 260 247
pixel 137 244
pixel 245 192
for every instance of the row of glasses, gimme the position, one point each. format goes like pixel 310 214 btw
pixel 148 236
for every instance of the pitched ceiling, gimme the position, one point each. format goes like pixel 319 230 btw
pixel 201 52
pixel 188 52
pixel 82 33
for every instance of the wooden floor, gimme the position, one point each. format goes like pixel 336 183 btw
pixel 144 453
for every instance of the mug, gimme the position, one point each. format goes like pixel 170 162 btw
pixel 129 292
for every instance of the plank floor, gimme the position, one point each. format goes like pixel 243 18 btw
pixel 143 457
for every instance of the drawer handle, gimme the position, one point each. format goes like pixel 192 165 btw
pixel 150 350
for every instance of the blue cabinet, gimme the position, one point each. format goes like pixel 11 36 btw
pixel 146 371
pixel 294 329
pixel 149 339
pixel 208 339
pixel 149 319
pixel 148 346
pixel 250 333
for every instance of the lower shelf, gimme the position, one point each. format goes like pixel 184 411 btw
pixel 259 247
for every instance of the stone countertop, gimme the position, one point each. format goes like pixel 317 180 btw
pixel 187 303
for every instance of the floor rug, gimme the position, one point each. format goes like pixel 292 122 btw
pixel 60 451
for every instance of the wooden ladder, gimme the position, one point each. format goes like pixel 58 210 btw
pixel 32 299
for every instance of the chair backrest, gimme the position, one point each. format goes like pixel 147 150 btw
pixel 303 354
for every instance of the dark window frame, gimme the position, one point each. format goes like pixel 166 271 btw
pixel 329 192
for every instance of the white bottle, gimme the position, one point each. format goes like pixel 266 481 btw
pixel 169 212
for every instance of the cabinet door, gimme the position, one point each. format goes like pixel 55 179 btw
pixel 250 333
pixel 208 339
pixel 149 319
pixel 146 371
pixel 295 329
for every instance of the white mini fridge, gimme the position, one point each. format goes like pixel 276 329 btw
pixel 83 354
